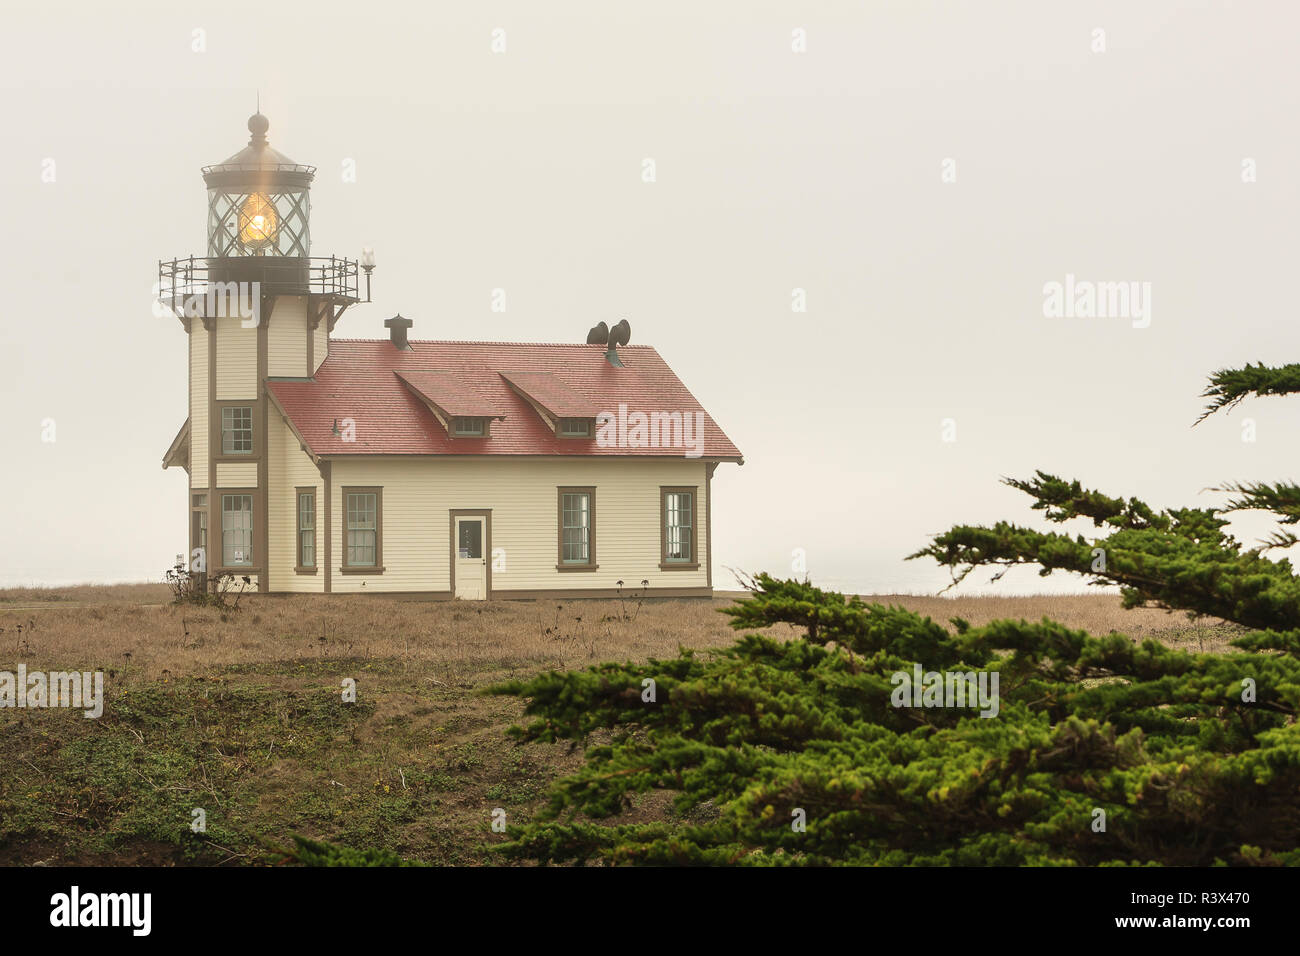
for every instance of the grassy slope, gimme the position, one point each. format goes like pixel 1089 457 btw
pixel 241 715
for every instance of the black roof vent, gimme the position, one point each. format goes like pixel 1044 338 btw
pixel 397 327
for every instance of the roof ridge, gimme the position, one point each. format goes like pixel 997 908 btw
pixel 548 345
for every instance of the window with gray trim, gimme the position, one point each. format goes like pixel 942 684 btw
pixel 363 529
pixel 306 529
pixel 575 527
pixel 236 430
pixel 574 428
pixel 469 426
pixel 236 530
pixel 199 527
pixel 679 523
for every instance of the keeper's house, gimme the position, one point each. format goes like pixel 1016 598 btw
pixel 443 469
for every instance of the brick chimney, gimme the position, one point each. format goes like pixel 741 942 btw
pixel 397 327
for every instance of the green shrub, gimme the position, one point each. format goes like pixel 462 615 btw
pixel 307 852
pixel 1103 751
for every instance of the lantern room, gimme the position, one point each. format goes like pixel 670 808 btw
pixel 259 201
pixel 259 238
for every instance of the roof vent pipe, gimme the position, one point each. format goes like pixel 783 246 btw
pixel 397 327
pixel 602 334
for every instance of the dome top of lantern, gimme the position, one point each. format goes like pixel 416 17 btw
pixel 258 162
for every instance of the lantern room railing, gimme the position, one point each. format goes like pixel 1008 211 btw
pixel 259 166
pixel 192 280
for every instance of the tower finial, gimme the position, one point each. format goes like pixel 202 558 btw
pixel 258 125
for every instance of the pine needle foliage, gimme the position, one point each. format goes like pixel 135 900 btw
pixel 309 852
pixel 1229 386
pixel 1188 759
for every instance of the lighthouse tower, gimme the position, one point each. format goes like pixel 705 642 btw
pixel 257 306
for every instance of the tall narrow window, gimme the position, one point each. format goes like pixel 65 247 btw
pixel 199 529
pixel 363 523
pixel 236 430
pixel 236 530
pixel 678 551
pixel 577 521
pixel 306 530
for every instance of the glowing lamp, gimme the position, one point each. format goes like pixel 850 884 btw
pixel 258 222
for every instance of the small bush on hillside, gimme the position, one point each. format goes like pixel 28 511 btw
pixel 206 590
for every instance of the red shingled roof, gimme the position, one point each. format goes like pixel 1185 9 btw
pixel 449 394
pixel 360 380
pixel 553 395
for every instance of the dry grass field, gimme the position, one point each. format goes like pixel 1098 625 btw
pixel 240 714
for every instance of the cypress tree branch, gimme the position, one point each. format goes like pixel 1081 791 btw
pixel 1177 559
pixel 1228 386
pixel 1282 499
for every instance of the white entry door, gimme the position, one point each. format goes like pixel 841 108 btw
pixel 471 562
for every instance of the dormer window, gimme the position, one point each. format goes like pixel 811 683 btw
pixel 469 427
pixel 566 411
pixel 462 410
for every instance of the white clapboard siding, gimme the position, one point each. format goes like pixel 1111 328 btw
pixel 237 474
pixel 198 406
pixel 236 359
pixel 418 494
pixel 286 337
pixel 290 468
pixel 321 347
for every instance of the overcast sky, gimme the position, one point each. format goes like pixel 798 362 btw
pixel 775 170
